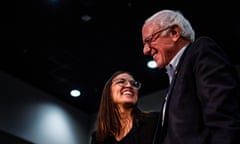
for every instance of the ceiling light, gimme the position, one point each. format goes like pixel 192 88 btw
pixel 152 64
pixel 75 93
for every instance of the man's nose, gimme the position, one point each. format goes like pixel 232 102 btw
pixel 146 49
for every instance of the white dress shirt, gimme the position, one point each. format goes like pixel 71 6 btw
pixel 171 71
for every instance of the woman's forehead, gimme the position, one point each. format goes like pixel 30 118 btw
pixel 123 75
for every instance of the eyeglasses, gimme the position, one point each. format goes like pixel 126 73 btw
pixel 124 82
pixel 149 39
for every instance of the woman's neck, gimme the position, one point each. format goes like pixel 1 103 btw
pixel 126 126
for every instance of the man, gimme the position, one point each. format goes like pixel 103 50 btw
pixel 203 101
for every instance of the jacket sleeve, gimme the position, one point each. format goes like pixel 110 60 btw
pixel 218 92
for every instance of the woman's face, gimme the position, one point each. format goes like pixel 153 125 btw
pixel 124 90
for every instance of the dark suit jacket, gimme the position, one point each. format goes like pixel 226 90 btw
pixel 144 132
pixel 204 99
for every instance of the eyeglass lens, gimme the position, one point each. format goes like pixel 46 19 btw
pixel 124 82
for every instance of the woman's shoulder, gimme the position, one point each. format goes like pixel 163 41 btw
pixel 146 116
pixel 154 115
pixel 93 137
pixel 151 114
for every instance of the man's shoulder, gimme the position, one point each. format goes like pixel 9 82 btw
pixel 203 39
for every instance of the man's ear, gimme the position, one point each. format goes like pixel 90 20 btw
pixel 175 32
pixel 175 29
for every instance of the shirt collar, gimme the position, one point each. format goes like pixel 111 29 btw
pixel 174 62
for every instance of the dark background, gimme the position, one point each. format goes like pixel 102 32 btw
pixel 56 50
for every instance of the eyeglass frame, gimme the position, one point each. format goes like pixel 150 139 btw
pixel 148 40
pixel 123 82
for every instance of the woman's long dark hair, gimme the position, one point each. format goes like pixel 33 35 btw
pixel 108 122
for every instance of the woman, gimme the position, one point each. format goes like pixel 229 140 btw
pixel 119 120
